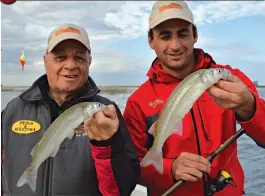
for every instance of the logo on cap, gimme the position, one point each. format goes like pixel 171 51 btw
pixel 169 6
pixel 66 30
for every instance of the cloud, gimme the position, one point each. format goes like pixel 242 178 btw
pixel 132 17
pixel 235 54
pixel 228 50
pixel 113 61
pixel 31 22
pixel 108 20
pixel 136 77
pixel 10 60
pixel 218 11
pixel 253 69
pixel 27 24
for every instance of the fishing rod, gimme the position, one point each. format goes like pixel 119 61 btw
pixel 210 157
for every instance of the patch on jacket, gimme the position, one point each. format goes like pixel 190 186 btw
pixel 25 127
pixel 155 103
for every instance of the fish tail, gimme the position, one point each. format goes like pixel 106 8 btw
pixel 178 129
pixel 153 157
pixel 29 177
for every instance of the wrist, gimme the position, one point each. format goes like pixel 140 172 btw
pixel 247 111
pixel 173 170
pixel 114 138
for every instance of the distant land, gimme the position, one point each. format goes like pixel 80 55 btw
pixel 19 88
pixel 104 88
pixel 7 88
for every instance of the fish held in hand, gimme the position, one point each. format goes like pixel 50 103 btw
pixel 177 106
pixel 63 127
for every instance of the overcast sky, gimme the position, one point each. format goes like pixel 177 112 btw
pixel 232 32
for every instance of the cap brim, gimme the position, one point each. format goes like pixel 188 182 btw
pixel 168 17
pixel 64 39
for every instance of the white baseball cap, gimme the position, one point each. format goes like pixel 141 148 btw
pixel 165 10
pixel 65 32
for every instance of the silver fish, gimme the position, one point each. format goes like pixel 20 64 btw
pixel 49 144
pixel 177 106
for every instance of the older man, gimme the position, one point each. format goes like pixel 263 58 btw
pixel 104 163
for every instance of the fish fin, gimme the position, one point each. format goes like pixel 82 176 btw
pixel 29 177
pixel 70 135
pixel 55 151
pixel 32 152
pixel 152 129
pixel 153 157
pixel 178 129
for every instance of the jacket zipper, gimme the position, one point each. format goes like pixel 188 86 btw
pixel 198 147
pixel 48 162
pixel 202 124
pixel 50 169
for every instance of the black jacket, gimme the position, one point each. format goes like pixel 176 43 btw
pixel 72 171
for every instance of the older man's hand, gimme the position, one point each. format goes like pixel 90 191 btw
pixel 103 124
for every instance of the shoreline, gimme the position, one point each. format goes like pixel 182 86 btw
pixel 102 88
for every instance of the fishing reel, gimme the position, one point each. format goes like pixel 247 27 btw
pixel 217 184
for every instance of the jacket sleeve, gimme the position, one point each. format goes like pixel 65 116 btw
pixel 116 162
pixel 135 122
pixel 255 127
pixel 2 145
pixel 2 149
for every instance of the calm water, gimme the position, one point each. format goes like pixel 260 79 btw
pixel 251 156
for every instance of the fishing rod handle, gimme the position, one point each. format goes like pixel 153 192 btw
pixel 209 158
pixel 173 187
